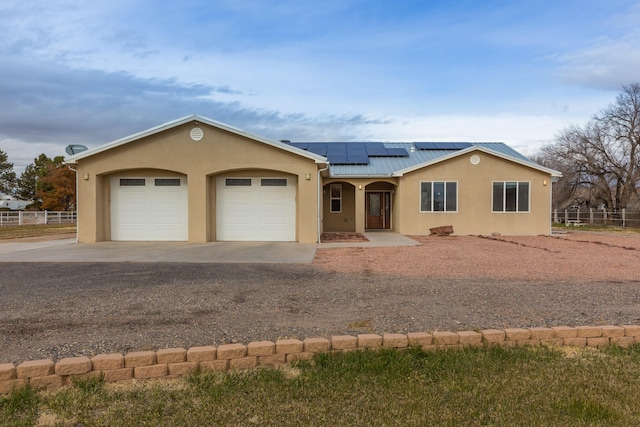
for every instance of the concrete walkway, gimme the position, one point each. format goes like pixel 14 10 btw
pixel 376 239
pixel 67 250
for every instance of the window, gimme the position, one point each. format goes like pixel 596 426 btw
pixel 127 182
pixel 335 194
pixel 238 182
pixel 273 182
pixel 167 182
pixel 511 196
pixel 439 196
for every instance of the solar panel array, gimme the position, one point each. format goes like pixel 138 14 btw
pixel 359 153
pixel 351 153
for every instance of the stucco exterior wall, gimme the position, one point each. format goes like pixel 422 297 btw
pixel 173 153
pixel 474 209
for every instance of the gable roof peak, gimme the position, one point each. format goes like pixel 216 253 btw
pixel 196 118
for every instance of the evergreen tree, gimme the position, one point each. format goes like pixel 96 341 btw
pixel 7 175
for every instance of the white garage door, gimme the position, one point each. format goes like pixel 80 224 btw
pixel 149 209
pixel 255 209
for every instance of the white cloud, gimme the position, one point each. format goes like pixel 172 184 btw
pixel 609 60
pixel 608 64
pixel 524 133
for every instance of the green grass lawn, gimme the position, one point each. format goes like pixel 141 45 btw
pixel 505 387
pixel 19 231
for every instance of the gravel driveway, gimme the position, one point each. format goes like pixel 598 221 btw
pixel 451 283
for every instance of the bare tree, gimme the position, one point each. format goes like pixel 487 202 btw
pixel 567 190
pixel 604 155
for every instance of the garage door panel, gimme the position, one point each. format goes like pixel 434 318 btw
pixel 147 209
pixel 265 210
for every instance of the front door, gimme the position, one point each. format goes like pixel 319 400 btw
pixel 378 208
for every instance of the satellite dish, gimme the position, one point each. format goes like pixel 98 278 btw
pixel 75 149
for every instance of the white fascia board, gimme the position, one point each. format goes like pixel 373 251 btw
pixel 553 173
pixel 174 123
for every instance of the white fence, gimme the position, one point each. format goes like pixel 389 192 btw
pixel 621 218
pixel 9 218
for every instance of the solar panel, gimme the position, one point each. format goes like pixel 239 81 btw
pixel 336 148
pixel 375 149
pixel 357 159
pixel 397 152
pixel 318 148
pixel 425 145
pixel 337 153
pixel 462 145
pixel 355 147
pixel 302 145
pixel 435 146
pixel 444 146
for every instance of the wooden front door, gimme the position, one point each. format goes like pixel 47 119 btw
pixel 378 209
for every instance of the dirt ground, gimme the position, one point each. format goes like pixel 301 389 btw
pixel 567 256
pixel 447 283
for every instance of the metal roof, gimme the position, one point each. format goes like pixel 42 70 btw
pixel 403 157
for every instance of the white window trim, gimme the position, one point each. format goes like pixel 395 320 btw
pixel 445 197
pixel 504 198
pixel 331 198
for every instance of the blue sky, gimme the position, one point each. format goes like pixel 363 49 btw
pixel 88 72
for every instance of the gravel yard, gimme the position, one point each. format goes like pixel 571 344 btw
pixel 447 283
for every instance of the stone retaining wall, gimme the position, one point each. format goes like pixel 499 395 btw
pixel 175 362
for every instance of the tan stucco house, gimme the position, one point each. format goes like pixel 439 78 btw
pixel 198 180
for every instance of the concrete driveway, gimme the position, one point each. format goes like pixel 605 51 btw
pixel 216 252
pixel 67 250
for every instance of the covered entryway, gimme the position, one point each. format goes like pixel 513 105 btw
pixel 255 208
pixel 149 208
pixel 378 210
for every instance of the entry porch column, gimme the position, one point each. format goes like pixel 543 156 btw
pixel 360 215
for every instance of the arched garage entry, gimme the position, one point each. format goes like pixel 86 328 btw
pixel 256 205
pixel 148 206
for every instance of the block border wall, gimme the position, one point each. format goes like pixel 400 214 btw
pixel 177 362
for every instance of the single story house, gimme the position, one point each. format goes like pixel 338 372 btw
pixel 198 180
